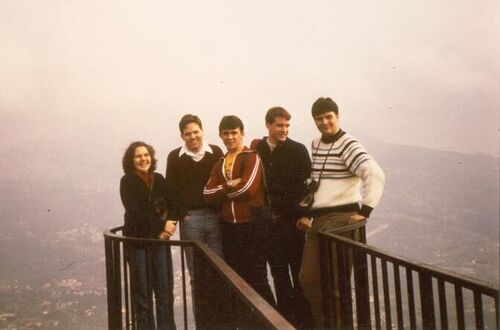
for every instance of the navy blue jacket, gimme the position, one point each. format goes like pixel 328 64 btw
pixel 286 169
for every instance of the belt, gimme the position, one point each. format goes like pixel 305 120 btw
pixel 354 207
pixel 201 210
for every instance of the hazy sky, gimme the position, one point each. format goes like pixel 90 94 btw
pixel 72 73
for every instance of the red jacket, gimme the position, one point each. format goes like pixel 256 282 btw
pixel 237 201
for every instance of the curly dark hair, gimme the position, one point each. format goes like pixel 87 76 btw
pixel 128 157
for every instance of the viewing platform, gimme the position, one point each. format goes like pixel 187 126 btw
pixel 365 288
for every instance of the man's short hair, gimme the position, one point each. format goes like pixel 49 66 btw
pixel 188 119
pixel 277 112
pixel 230 122
pixel 324 105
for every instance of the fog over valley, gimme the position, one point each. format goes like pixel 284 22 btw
pixel 416 83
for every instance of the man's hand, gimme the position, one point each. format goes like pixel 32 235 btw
pixel 303 224
pixel 164 235
pixel 234 182
pixel 170 227
pixel 357 217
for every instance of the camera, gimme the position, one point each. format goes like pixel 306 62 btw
pixel 312 185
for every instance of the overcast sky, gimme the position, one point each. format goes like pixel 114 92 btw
pixel 73 73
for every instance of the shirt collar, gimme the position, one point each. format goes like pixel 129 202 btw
pixel 204 148
pixel 266 139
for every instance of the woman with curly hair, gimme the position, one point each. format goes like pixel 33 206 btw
pixel 144 196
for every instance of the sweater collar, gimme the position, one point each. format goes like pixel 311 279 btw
pixel 332 138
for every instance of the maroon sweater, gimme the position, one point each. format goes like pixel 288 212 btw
pixel 186 179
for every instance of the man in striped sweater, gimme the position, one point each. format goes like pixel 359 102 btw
pixel 350 186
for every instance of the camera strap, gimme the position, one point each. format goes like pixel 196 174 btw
pixel 326 157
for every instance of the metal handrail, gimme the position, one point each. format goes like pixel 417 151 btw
pixel 340 252
pixel 448 275
pixel 246 297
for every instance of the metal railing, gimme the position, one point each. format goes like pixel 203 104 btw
pixel 222 298
pixel 365 287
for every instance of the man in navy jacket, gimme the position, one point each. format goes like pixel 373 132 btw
pixel 286 165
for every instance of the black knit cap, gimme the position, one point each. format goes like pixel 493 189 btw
pixel 324 105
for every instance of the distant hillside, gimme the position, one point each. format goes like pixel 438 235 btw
pixel 440 208
pixel 461 188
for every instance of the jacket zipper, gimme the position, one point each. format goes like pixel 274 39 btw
pixel 232 210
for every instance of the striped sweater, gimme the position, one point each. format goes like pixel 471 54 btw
pixel 350 174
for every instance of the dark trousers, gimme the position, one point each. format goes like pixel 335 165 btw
pixel 286 244
pixel 151 269
pixel 245 248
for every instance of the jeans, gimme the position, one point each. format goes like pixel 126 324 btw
pixel 202 225
pixel 160 280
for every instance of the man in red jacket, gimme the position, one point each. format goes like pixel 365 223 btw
pixel 236 184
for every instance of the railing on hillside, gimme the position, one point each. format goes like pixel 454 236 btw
pixel 368 288
pixel 222 298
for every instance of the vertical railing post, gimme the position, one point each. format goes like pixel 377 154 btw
pixel 202 306
pixel 184 299
pixel 497 310
pixel 344 286
pixel 478 310
pixel 427 300
pixel 459 304
pixel 126 287
pixel 443 309
pixel 362 291
pixel 399 303
pixel 376 296
pixel 387 297
pixel 113 283
pixel 411 299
